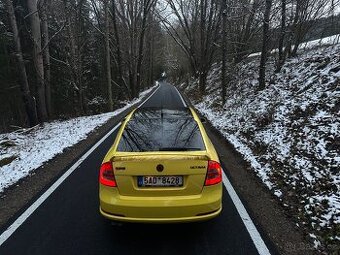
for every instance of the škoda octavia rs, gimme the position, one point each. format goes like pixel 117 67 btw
pixel 161 168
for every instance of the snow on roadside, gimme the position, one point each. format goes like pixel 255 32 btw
pixel 326 41
pixel 31 148
pixel 289 132
pixel 261 170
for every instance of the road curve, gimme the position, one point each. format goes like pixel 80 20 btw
pixel 68 222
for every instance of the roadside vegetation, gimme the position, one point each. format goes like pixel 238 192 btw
pixel 62 59
pixel 288 133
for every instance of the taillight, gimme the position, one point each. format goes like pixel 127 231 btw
pixel 214 173
pixel 106 175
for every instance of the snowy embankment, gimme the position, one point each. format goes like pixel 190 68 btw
pixel 326 41
pixel 27 149
pixel 289 132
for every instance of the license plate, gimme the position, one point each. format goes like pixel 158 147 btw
pixel 160 181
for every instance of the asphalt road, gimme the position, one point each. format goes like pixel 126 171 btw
pixel 68 222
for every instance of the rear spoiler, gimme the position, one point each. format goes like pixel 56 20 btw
pixel 155 157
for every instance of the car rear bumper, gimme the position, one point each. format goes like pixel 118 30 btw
pixel 200 207
pixel 162 220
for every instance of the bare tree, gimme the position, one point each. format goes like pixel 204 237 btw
pixel 281 59
pixel 119 62
pixel 196 32
pixel 243 24
pixel 224 50
pixel 147 6
pixel 37 57
pixel 304 14
pixel 264 51
pixel 44 8
pixel 76 42
pixel 307 11
pixel 26 93
pixel 108 54
pixel 132 16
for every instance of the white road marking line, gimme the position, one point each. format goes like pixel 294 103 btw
pixel 252 230
pixel 149 96
pixel 185 105
pixel 23 217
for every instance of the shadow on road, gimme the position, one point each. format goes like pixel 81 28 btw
pixel 185 238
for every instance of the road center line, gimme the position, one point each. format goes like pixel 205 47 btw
pixel 23 217
pixel 249 224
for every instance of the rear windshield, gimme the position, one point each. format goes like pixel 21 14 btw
pixel 161 130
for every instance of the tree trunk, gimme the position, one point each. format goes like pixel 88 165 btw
pixel 224 52
pixel 202 81
pixel 75 59
pixel 264 52
pixel 292 32
pixel 28 100
pixel 146 9
pixel 132 85
pixel 281 59
pixel 152 45
pixel 298 39
pixel 47 60
pixel 38 58
pixel 118 49
pixel 132 57
pixel 246 34
pixel 297 27
pixel 202 41
pixel 108 56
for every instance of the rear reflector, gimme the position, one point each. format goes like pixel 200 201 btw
pixel 106 175
pixel 214 173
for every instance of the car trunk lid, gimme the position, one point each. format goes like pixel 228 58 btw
pixel 192 168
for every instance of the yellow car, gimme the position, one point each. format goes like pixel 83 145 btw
pixel 161 168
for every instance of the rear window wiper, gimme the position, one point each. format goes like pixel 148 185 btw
pixel 179 149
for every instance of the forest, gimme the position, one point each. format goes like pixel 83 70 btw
pixel 67 58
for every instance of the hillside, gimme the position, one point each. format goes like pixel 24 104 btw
pixel 289 133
